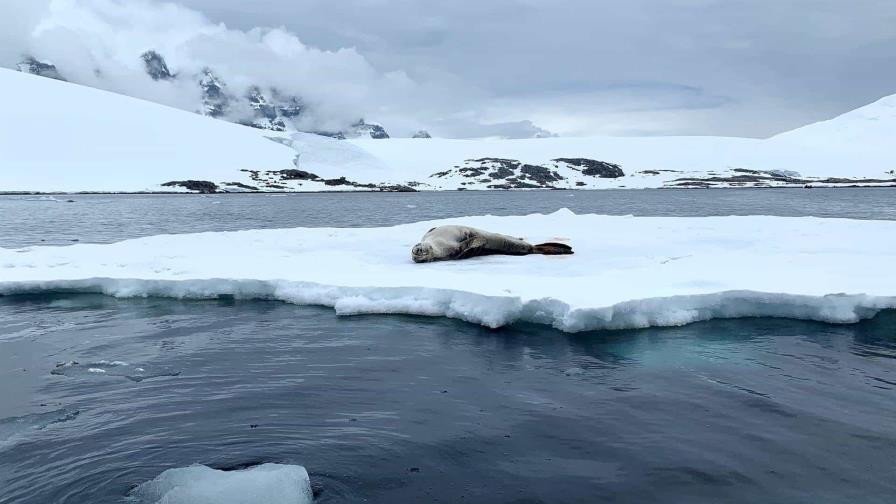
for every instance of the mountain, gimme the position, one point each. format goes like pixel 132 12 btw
pixel 263 108
pixel 57 136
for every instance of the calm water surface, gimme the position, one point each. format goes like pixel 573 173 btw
pixel 413 409
pixel 390 409
pixel 30 220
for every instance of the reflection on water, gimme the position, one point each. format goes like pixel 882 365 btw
pixel 413 409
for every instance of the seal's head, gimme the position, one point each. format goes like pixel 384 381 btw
pixel 422 252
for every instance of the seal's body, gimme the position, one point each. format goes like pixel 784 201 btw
pixel 462 242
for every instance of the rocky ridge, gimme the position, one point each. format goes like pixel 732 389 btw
pixel 264 108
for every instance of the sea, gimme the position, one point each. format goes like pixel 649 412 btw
pixel 101 394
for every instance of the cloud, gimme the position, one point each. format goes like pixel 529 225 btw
pixel 730 67
pixel 778 64
pixel 99 43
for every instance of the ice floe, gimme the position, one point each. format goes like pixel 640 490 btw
pixel 106 368
pixel 266 483
pixel 627 272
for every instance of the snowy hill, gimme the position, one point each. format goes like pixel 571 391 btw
pixel 864 127
pixel 57 136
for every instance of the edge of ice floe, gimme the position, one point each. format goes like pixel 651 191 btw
pixel 489 311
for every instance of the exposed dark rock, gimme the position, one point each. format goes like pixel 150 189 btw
pixel 200 186
pixel 41 68
pixel 338 135
pixel 296 175
pixel 770 173
pixel 373 130
pixel 337 182
pixel 156 66
pixel 502 172
pixel 650 172
pixel 422 134
pixel 259 103
pixel 762 178
pixel 241 186
pixel 214 99
pixel 540 174
pixel 593 167
pixel 515 185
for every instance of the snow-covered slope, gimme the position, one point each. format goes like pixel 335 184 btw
pixel 57 136
pixel 626 271
pixel 873 125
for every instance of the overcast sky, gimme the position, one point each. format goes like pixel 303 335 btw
pixel 733 67
pixel 724 67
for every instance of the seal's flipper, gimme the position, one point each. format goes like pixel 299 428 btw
pixel 551 248
pixel 472 247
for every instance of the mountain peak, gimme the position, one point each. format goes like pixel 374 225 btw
pixel 156 66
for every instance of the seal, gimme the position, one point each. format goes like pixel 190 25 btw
pixel 444 243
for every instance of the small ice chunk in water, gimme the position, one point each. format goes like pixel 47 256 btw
pixel 198 484
pixel 121 369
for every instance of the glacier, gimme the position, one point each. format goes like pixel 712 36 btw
pixel 627 272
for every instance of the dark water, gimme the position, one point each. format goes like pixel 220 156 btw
pixel 412 409
pixel 31 220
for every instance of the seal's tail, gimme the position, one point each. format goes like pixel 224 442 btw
pixel 552 248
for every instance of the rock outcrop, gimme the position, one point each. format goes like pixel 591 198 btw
pixel 155 66
pixel 499 173
pixel 41 68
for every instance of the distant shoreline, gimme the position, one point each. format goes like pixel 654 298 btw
pixel 683 188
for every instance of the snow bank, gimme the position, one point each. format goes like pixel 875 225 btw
pixel 627 272
pixel 267 483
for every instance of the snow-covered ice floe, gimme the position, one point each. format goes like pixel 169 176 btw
pixel 627 272
pixel 266 483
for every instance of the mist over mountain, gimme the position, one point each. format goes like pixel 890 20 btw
pixel 263 77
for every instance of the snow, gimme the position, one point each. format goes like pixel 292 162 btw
pixel 627 272
pixel 58 136
pixel 266 483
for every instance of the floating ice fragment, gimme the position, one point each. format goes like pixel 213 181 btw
pixel 627 272
pixel 266 483
pixel 120 369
